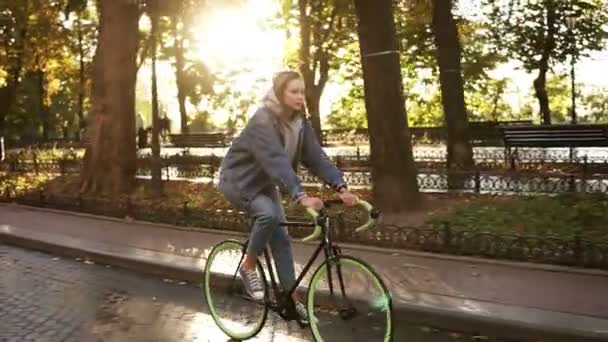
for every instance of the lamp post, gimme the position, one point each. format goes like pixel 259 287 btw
pixel 571 23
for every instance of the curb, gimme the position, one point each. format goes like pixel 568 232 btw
pixel 158 268
pixel 183 268
pixel 345 245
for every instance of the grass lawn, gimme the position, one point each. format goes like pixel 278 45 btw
pixel 545 216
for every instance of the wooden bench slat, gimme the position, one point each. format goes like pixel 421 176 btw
pixel 555 136
pixel 199 140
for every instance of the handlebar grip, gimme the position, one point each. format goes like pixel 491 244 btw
pixel 317 231
pixel 372 218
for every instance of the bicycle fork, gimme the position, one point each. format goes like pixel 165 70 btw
pixel 346 310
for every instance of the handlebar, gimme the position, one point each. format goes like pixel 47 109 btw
pixel 371 221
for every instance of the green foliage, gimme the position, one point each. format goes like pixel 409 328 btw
pixel 178 32
pixel 198 81
pixel 596 106
pixel 349 112
pixel 520 29
pixel 420 72
pixel 424 112
pixel 50 58
pixel 330 24
pixel 485 101
pixel 546 216
pixel 558 89
pixel 236 102
pixel 13 185
pixel 202 123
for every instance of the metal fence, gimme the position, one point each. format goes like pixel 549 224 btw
pixel 440 239
pixel 547 177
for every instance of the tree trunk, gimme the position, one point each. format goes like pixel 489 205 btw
pixel 460 152
pixel 110 158
pixel 7 92
pixel 308 68
pixel 43 107
pixel 313 100
pixel 179 77
pixel 541 94
pixel 5 104
pixel 157 182
pixel 540 82
pixel 81 74
pixel 395 186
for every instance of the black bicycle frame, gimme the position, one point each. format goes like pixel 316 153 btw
pixel 329 248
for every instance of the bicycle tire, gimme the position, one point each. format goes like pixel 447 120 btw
pixel 372 310
pixel 221 293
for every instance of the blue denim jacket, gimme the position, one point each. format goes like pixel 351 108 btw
pixel 257 159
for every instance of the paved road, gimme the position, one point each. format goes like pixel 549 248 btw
pixel 47 298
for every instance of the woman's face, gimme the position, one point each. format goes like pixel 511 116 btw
pixel 294 95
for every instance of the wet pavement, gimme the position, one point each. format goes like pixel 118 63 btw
pixel 49 298
pixel 530 302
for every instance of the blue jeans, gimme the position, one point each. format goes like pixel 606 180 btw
pixel 267 212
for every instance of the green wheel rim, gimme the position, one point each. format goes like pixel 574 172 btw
pixel 384 303
pixel 221 247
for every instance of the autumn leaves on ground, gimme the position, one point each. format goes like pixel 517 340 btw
pixel 560 216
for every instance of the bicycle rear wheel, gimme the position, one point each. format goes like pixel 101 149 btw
pixel 233 311
pixel 347 299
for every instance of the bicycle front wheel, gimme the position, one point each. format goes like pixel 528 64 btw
pixel 347 299
pixel 237 315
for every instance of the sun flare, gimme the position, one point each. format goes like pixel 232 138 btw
pixel 239 37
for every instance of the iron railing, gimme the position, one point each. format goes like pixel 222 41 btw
pixel 570 177
pixel 443 238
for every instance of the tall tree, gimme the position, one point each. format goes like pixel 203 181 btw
pixel 45 52
pixel 536 33
pixel 460 152
pixel 14 28
pixel 110 158
pixel 82 47
pixel 177 31
pixel 420 70
pixel 393 168
pixel 323 29
pixel 179 70
pixel 157 183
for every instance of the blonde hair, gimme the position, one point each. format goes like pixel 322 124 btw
pixel 280 81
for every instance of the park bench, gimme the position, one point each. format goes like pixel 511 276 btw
pixel 553 136
pixel 487 133
pixel 219 139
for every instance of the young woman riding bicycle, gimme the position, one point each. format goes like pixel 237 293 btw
pixel 264 160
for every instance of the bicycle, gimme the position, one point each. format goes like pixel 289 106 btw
pixel 359 301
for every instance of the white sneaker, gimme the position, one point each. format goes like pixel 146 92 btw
pixel 301 311
pixel 253 284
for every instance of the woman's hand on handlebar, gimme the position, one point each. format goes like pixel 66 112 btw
pixel 348 198
pixel 311 202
